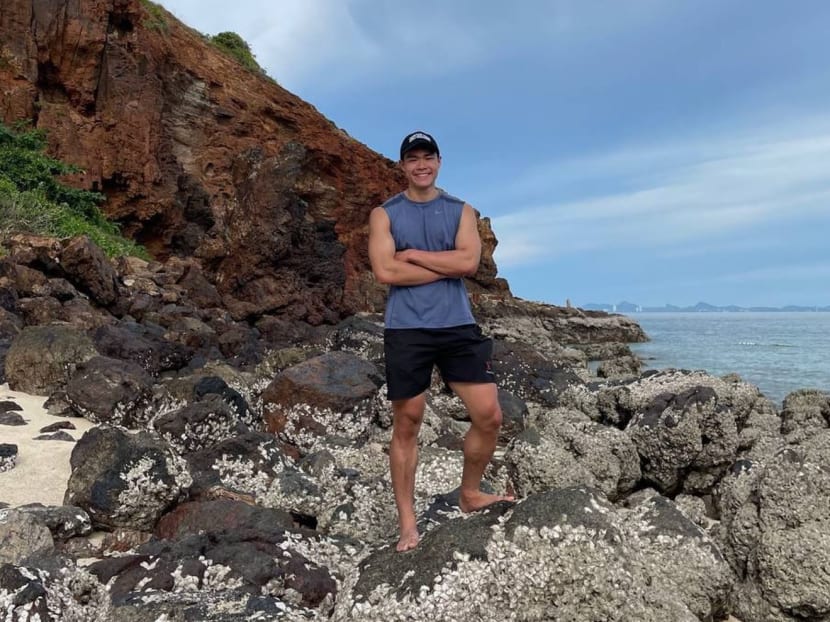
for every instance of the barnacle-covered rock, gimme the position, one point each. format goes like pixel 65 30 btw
pixel 775 517
pixel 112 391
pixel 563 447
pixel 125 480
pixel 565 554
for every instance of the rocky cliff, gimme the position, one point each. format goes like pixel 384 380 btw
pixel 200 157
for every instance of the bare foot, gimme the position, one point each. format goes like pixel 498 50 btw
pixel 472 501
pixel 409 540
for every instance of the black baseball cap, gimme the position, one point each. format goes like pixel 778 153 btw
pixel 419 140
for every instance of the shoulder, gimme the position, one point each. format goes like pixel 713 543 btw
pixel 378 216
pixel 398 199
pixel 452 200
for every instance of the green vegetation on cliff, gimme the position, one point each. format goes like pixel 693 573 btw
pixel 235 46
pixel 33 200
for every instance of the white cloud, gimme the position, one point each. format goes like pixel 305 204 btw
pixel 691 193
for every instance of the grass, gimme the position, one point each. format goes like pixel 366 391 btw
pixel 156 17
pixel 33 200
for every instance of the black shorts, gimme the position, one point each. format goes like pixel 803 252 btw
pixel 461 353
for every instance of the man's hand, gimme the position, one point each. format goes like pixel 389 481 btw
pixel 407 255
pixel 387 267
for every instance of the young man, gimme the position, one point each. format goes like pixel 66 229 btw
pixel 422 242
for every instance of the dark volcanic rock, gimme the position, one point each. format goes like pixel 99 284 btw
pixel 568 553
pixel 9 406
pixel 12 418
pixel 42 359
pixel 63 521
pixel 124 480
pixel 526 373
pixel 336 381
pixel 8 456
pixel 685 439
pixel 86 265
pixel 200 425
pixel 224 517
pixel 142 344
pixel 57 436
pixel 248 457
pixel 22 536
pixel 112 391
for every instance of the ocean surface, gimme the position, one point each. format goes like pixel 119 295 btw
pixel 778 352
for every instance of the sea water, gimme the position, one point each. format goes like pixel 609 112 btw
pixel 778 352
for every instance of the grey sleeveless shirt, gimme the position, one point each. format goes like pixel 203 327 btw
pixel 430 226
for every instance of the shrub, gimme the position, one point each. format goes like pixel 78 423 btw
pixel 235 46
pixel 33 200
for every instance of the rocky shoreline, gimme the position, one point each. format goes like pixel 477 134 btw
pixel 226 470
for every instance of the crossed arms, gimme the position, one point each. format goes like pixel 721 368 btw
pixel 418 267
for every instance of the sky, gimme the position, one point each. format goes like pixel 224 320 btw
pixel 648 151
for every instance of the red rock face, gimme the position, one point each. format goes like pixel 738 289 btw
pixel 199 157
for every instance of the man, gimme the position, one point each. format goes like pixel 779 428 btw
pixel 422 242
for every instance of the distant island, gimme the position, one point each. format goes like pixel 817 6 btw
pixel 701 307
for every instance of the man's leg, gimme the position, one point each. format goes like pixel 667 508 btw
pixel 481 400
pixel 403 460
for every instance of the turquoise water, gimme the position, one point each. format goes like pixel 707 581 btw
pixel 777 352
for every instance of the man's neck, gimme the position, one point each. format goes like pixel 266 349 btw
pixel 421 195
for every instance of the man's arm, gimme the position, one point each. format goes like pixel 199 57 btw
pixel 462 261
pixel 385 266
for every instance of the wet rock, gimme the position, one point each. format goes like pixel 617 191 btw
pixel 125 480
pixel 42 359
pixel 106 390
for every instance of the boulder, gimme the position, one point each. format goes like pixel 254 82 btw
pixel 42 359
pixel 685 440
pixel 563 554
pixel 112 391
pixel 775 517
pixel 199 425
pixel 125 480
pixel 563 447
pixel 22 536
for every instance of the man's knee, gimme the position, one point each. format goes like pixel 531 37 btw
pixel 407 417
pixel 488 419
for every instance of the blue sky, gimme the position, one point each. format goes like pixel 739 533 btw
pixel 647 150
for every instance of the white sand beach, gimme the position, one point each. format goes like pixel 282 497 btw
pixel 42 466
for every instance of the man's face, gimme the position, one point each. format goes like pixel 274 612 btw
pixel 421 168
